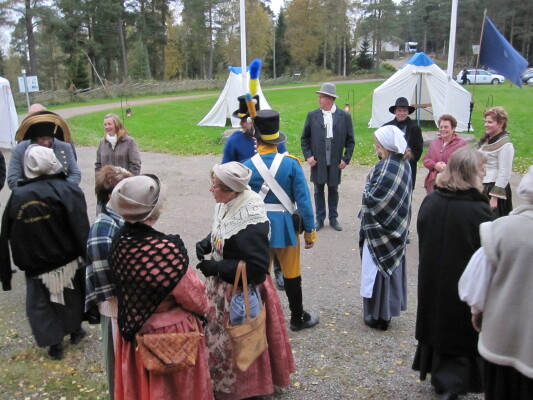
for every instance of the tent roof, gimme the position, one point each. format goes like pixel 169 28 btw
pixel 227 102
pixel 427 87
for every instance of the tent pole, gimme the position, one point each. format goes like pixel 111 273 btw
pixel 477 66
pixel 418 101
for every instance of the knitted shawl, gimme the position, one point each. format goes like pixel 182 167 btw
pixel 232 217
pixel 147 265
pixel 385 214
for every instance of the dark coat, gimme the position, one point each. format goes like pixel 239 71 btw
pixel 448 230
pixel 46 223
pixel 313 143
pixel 415 141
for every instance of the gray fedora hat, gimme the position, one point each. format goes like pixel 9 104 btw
pixel 328 89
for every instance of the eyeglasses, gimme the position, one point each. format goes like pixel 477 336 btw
pixel 214 185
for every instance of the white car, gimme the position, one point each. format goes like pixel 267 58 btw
pixel 482 76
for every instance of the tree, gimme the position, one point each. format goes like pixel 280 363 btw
pixel 364 60
pixel 303 35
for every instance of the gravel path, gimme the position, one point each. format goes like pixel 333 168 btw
pixel 339 359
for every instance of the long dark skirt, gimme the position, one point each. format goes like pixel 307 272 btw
pixel 504 206
pixel 503 383
pixel 389 295
pixel 449 373
pixel 50 322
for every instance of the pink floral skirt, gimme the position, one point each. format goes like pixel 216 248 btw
pixel 272 368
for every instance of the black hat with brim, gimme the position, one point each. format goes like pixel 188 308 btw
pixel 266 125
pixel 242 112
pixel 43 123
pixel 402 102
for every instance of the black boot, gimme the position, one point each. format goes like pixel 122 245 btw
pixel 280 282
pixel 56 351
pixel 299 318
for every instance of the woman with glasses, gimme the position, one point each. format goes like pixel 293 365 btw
pixel 240 231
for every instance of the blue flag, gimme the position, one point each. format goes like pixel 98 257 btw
pixel 497 53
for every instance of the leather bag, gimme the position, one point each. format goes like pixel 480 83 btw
pixel 298 222
pixel 249 339
pixel 166 353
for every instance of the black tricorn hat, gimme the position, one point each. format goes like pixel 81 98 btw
pixel 242 112
pixel 43 123
pixel 401 102
pixel 266 125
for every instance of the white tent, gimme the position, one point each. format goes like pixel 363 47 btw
pixel 8 115
pixel 227 103
pixel 426 87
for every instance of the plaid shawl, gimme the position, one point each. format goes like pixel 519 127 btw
pixel 99 283
pixel 385 214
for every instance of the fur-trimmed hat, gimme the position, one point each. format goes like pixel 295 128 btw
pixel 43 123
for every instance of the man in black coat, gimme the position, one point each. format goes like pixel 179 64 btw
pixel 327 144
pixel 412 132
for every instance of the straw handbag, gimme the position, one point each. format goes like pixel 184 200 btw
pixel 169 352
pixel 249 339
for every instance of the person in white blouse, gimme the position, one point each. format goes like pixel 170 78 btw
pixel 497 286
pixel 497 147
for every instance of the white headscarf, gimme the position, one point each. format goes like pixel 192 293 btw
pixel 391 137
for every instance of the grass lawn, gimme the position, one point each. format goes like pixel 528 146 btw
pixel 171 127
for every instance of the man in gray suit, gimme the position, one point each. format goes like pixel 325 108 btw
pixel 327 144
pixel 47 129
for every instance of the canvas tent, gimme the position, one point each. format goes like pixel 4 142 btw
pixel 227 103
pixel 427 87
pixel 8 115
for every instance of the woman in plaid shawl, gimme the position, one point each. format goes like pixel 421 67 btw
pixel 385 216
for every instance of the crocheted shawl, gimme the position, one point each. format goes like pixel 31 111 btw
pixel 230 218
pixel 147 265
pixel 385 214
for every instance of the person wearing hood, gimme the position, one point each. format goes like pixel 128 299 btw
pixel 46 223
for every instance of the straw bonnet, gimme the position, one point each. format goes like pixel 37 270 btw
pixel 137 198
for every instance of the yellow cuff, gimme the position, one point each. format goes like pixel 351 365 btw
pixel 310 236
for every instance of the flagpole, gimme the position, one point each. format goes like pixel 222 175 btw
pixel 451 44
pixel 244 74
pixel 475 74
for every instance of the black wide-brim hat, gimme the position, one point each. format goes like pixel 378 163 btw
pixel 266 125
pixel 43 123
pixel 243 112
pixel 401 102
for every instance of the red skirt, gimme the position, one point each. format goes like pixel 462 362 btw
pixel 134 382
